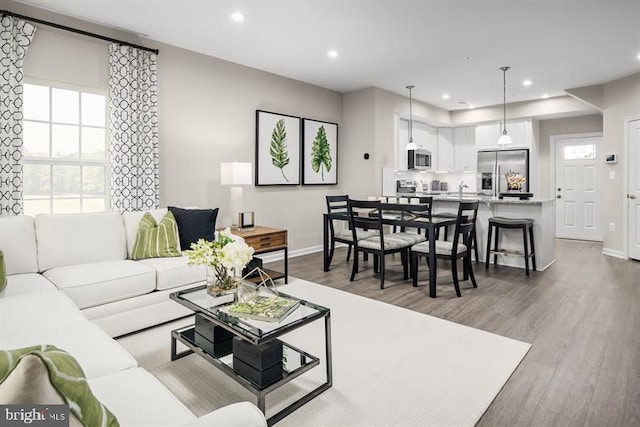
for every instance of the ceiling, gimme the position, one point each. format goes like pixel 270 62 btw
pixel 452 46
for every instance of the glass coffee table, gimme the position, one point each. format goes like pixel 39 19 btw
pixel 257 333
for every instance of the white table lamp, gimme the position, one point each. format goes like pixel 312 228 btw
pixel 235 174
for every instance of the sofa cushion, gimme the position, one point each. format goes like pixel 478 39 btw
pixel 92 347
pixel 71 239
pixel 194 224
pixel 28 312
pixel 156 239
pixel 242 414
pixel 34 374
pixel 131 221
pixel 18 242
pixel 174 272
pixel 27 283
pixel 139 399
pixel 103 282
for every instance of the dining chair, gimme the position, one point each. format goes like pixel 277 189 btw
pixel 366 215
pixel 338 204
pixel 465 225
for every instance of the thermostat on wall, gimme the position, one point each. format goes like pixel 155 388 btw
pixel 611 158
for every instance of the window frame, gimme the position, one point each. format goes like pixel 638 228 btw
pixel 53 161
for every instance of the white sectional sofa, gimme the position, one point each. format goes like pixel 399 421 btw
pixel 71 285
pixel 86 256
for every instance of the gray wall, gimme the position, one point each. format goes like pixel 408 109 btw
pixel 553 127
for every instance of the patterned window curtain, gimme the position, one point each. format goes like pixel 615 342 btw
pixel 15 38
pixel 133 147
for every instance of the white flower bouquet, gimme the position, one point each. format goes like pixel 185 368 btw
pixel 224 257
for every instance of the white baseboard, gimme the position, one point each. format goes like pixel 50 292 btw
pixel 613 253
pixel 278 256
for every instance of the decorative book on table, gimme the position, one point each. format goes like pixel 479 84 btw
pixel 269 308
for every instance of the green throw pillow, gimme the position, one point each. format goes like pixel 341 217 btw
pixel 156 240
pixel 47 375
pixel 3 273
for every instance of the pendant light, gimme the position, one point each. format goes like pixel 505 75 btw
pixel 504 139
pixel 411 145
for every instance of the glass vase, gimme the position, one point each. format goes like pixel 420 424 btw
pixel 220 282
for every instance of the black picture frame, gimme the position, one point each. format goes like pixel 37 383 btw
pixel 327 166
pixel 277 159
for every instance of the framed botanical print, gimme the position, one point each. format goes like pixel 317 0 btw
pixel 277 149
pixel 319 152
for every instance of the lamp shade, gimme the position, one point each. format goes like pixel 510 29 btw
pixel 235 173
pixel 504 139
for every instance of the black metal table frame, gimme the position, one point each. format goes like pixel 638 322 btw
pixel 431 225
pixel 261 393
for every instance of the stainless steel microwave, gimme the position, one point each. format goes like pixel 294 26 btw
pixel 419 159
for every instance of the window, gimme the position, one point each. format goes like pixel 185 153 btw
pixel 580 152
pixel 65 168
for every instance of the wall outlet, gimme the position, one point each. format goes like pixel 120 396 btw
pixel 612 226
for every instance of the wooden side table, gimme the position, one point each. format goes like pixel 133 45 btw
pixel 267 239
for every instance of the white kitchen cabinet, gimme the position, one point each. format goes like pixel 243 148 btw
pixel 487 135
pixel 445 150
pixel 464 145
pixel 520 131
pixel 424 136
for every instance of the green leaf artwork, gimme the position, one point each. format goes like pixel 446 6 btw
pixel 278 149
pixel 321 153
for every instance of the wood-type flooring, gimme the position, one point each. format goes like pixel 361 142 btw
pixel 582 316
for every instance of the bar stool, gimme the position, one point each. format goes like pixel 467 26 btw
pixel 473 240
pixel 501 222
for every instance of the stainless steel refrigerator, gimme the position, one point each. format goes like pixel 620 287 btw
pixel 495 164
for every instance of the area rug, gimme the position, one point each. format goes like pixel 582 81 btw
pixel 391 367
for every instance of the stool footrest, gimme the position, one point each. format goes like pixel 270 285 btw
pixel 507 252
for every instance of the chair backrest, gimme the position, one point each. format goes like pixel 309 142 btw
pixel 465 222
pixel 365 215
pixel 337 204
pixel 409 212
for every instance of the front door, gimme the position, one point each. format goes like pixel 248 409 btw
pixel 633 194
pixel 578 188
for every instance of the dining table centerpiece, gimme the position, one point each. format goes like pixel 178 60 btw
pixel 224 257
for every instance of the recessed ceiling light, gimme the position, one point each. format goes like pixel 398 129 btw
pixel 445 96
pixel 544 96
pixel 237 16
pixel 471 106
pixel 638 56
pixel 527 82
pixel 332 53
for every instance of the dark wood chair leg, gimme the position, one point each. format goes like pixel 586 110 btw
pixel 533 248
pixel 486 256
pixel 526 250
pixel 470 270
pixel 454 273
pixel 405 264
pixel 414 269
pixel 495 246
pixel 376 263
pixel 382 269
pixel 354 268
pixel 348 252
pixel 474 237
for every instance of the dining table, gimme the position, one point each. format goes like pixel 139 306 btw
pixel 394 217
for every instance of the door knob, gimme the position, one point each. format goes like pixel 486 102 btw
pixel 632 196
pixel 559 196
pixel 559 189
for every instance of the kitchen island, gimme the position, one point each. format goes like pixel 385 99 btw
pixel 542 211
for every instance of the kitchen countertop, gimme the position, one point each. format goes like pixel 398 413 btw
pixel 447 197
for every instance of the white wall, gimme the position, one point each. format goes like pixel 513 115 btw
pixel 622 100
pixel 207 116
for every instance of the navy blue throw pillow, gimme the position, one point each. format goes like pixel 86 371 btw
pixel 194 224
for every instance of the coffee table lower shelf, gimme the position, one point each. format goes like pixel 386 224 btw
pixel 297 363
